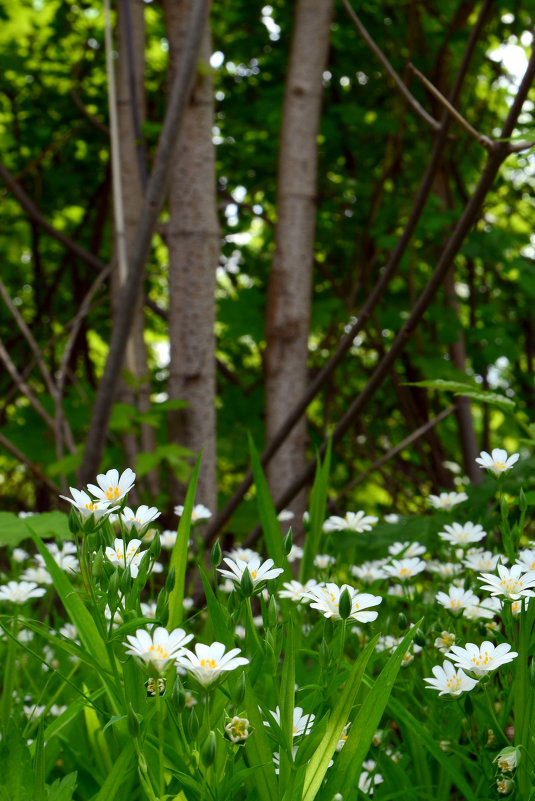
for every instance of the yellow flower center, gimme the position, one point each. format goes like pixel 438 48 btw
pixel 159 651
pixel 90 506
pixel 404 572
pixel 453 683
pixel 112 493
pixel 209 663
pixel 253 574
pixel 499 465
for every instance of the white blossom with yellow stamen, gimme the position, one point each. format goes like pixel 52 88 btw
pixel 140 519
pixel 513 583
pixel 159 648
pixel 326 598
pixel 447 500
pixel 131 558
pixel 497 461
pixel 111 486
pixel 404 569
pixel 481 659
pixel 450 681
pixel 301 722
pixel 259 571
pixel 457 599
pixel 86 506
pixel 210 661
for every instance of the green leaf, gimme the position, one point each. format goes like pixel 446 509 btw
pixel 365 725
pixel 258 750
pixel 12 529
pixel 16 774
pixel 468 391
pixel 217 614
pixel 50 524
pixel 318 765
pixel 62 789
pixel 118 774
pixel 179 554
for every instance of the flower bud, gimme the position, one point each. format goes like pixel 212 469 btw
pixel 208 750
pixel 178 695
pixel 288 541
pixel 522 500
pixel 344 605
pixel 216 554
pixel 170 580
pixel 504 785
pixel 97 567
pixel 508 759
pixel 419 638
pixel 74 521
pixel 324 656
pixel 504 508
pixel 237 730
pixel 246 585
pixel 273 612
pixel 155 546
pixel 403 623
pixel 133 722
pixel 193 725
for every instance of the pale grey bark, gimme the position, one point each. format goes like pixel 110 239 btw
pixel 131 113
pixel 290 281
pixel 193 238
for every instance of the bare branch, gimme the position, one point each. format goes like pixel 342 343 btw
pixel 24 388
pixel 365 36
pixel 481 138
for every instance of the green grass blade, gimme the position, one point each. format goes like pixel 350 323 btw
pixel 268 516
pixel 258 750
pixel 318 765
pixel 179 554
pixel 318 504
pixel 217 615
pixel 367 721
pixel 117 775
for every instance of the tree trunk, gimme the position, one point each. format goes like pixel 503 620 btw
pixel 193 239
pixel 290 280
pixel 131 113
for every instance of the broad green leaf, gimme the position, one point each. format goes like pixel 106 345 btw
pixel 16 774
pixel 50 524
pixel 318 765
pixel 12 529
pixel 118 775
pixel 62 789
pixel 469 391
pixel 366 723
pixel 179 554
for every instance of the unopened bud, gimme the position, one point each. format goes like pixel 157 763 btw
pixel 273 612
pixel 419 638
pixel 170 580
pixel 287 542
pixel 133 722
pixel 325 656
pixel 193 725
pixel 97 567
pixel 74 521
pixel 403 623
pixel 155 546
pixel 246 585
pixel 508 759
pixel 344 605
pixel 522 500
pixel 208 750
pixel 216 554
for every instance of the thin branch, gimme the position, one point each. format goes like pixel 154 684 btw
pixel 30 465
pixel 365 36
pixel 366 311
pixel 33 212
pixel 24 388
pixel 85 111
pixel 481 138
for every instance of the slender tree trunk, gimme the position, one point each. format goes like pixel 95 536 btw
pixel 131 113
pixel 290 280
pixel 194 242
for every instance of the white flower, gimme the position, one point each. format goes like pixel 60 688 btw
pixel 323 561
pixel 513 584
pixel 39 575
pixel 526 559
pixel 450 681
pixel 18 592
pixel 445 570
pixel 353 521
pixel 478 559
pixel 368 779
pixel 447 500
pixel 481 659
pixel 19 555
pixel 111 486
pixel 159 648
pixel 209 661
pixel 245 554
pixel 343 737
pixel 198 513
pixel 237 730
pixel 285 515
pixel 168 539
pixel 302 722
pixel 406 549
pixel 483 610
pixel 86 506
pixel 457 599
pixel 458 534
pixel 392 518
pixel 497 461
pixel 404 569
pixel 140 519
pixel 294 590
pixel 131 559
pixel 63 557
pixel 148 609
pixel 296 552
pixel 327 599
pixel 368 572
pixel 258 571
pixel 445 641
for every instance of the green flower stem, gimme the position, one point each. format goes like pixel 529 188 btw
pixel 251 628
pixel 161 735
pixel 523 703
pixel 9 674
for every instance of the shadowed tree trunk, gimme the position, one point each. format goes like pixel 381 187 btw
pixel 194 243
pixel 290 280
pixel 136 390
